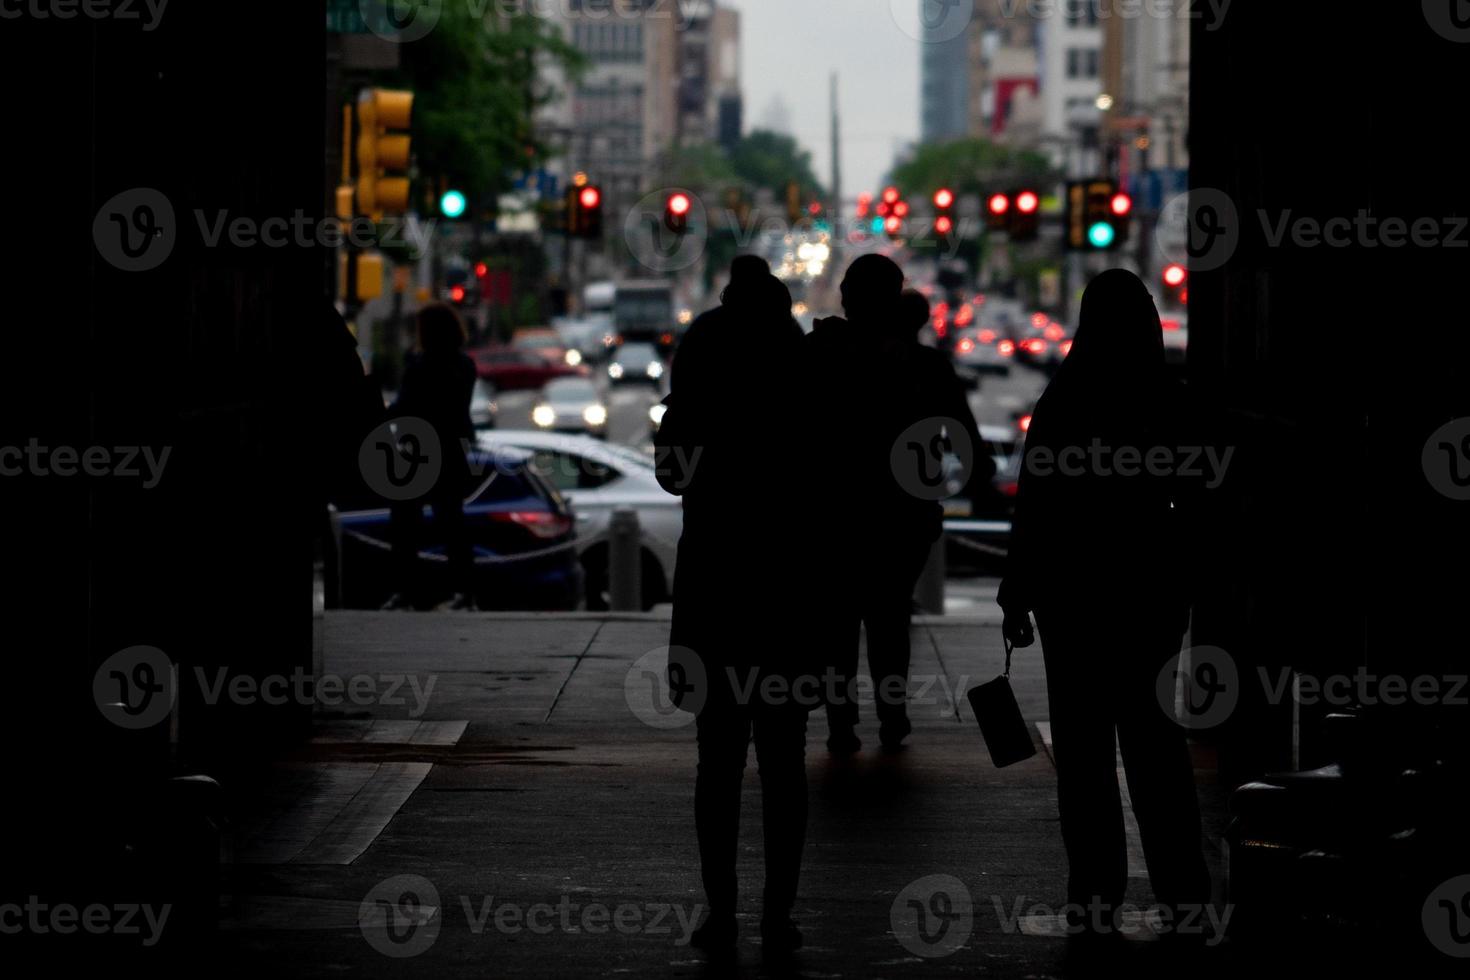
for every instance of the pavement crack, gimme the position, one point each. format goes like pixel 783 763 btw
pixel 575 664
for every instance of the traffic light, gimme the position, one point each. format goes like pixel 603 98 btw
pixel 383 150
pixel 1097 216
pixel 1176 279
pixel 793 202
pixel 1025 215
pixel 676 212
pixel 584 211
pixel 452 203
pixel 943 214
pixel 998 212
pixel 864 205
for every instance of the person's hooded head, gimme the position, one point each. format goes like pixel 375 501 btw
pixel 871 290
pixel 1119 342
pixel 747 273
pixel 913 313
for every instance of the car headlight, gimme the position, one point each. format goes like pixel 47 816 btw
pixel 655 370
pixel 594 415
pixel 574 357
pixel 544 416
pixel 656 412
pixel 614 371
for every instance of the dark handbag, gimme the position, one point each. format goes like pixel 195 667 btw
pixel 1001 723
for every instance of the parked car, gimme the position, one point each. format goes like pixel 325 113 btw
pixel 512 513
pixel 978 524
pixel 509 369
pixel 571 405
pixel 635 363
pixel 597 477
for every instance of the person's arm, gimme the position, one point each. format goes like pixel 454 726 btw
pixel 1016 596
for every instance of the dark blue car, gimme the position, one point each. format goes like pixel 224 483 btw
pixel 520 529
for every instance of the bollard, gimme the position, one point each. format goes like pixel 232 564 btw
pixel 625 562
pixel 929 590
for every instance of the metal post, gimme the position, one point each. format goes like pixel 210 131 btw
pixel 625 562
pixel 929 590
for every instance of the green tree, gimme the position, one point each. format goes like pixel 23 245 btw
pixel 474 83
pixel 768 159
pixel 970 166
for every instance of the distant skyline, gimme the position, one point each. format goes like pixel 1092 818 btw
pixel 789 48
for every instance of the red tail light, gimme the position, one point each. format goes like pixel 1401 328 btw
pixel 666 339
pixel 541 523
pixel 1171 324
pixel 1035 346
pixel 1054 332
pixel 1009 488
pixel 987 336
pixel 964 316
pixel 1006 348
pixel 1066 347
pixel 1024 422
pixel 966 346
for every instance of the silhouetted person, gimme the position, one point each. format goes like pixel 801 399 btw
pixel 735 598
pixel 438 383
pixel 1094 556
pixel 868 382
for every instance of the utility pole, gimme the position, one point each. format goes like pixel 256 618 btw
pixel 835 208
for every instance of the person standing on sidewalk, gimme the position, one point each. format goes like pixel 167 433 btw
pixel 1095 557
pixel 438 383
pixel 739 568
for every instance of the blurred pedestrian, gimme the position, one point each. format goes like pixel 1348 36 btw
pixel 1095 557
pixel 740 562
pixel 438 382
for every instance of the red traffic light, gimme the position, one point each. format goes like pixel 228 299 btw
pixel 890 194
pixel 892 225
pixel 999 204
pixel 456 294
pixel 1027 202
pixel 901 209
pixel 481 270
pixel 590 197
pixel 1121 204
pixel 943 224
pixel 679 204
pixel 943 198
pixel 1174 274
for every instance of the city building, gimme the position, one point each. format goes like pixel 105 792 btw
pixel 1069 59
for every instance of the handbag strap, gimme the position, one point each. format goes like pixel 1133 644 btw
pixel 1007 641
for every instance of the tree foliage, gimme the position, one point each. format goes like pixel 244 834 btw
pixel 970 166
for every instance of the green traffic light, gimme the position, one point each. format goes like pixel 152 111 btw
pixel 876 225
pixel 1101 234
pixel 452 204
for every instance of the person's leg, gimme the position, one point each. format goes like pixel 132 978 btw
pixel 888 621
pixel 449 526
pixel 405 522
pixel 723 734
pixel 1083 747
pixel 780 749
pixel 841 634
pixel 1161 783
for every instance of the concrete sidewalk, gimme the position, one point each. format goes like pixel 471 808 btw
pixel 499 761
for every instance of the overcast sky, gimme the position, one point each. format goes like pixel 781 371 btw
pixel 788 48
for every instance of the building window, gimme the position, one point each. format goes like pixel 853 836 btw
pixel 1082 13
pixel 1082 62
